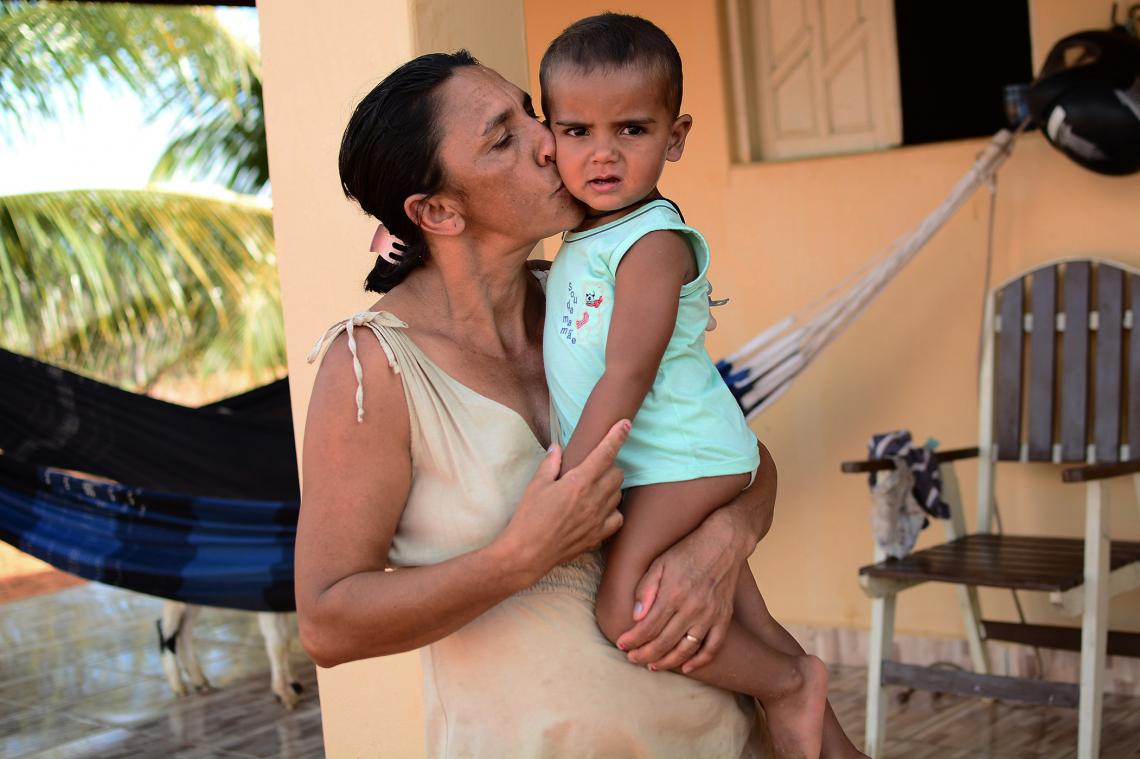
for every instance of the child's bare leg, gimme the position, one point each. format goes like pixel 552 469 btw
pixel 793 688
pixel 752 612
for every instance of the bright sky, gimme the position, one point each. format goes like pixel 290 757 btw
pixel 109 145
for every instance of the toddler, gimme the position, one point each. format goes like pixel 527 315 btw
pixel 626 312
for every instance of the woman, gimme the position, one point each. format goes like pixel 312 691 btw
pixel 441 467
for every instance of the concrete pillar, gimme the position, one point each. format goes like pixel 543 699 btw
pixel 318 61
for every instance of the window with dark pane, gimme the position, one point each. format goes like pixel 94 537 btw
pixel 955 58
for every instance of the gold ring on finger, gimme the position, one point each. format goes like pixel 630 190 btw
pixel 692 638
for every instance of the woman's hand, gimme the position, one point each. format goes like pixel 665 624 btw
pixel 560 518
pixel 692 585
pixel 689 587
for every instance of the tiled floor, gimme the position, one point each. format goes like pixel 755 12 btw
pixel 17 587
pixel 80 676
pixel 22 576
pixel 929 726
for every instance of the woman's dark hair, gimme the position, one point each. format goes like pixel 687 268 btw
pixel 390 151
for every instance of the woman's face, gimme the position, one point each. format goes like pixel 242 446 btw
pixel 500 159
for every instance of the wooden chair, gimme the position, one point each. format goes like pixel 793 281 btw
pixel 1040 331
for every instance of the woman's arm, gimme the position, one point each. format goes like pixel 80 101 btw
pixel 647 291
pixel 695 580
pixel 357 477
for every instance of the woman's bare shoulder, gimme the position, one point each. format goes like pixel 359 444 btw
pixel 359 392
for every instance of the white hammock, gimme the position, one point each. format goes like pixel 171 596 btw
pixel 763 369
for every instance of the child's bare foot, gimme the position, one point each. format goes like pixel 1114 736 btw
pixel 795 721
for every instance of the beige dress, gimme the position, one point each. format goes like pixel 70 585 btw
pixel 533 676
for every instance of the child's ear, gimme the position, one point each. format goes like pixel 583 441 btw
pixel 677 134
pixel 437 214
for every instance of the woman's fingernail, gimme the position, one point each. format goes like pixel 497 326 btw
pixel 625 425
pixel 652 667
pixel 621 646
pixel 637 607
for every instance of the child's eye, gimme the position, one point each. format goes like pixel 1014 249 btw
pixel 506 140
pixel 576 132
pixel 633 130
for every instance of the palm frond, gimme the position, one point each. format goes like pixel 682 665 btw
pixel 130 284
pixel 225 145
pixel 173 57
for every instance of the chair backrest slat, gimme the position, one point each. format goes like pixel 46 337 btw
pixel 1074 363
pixel 1008 392
pixel 1134 370
pixel 1041 361
pixel 1109 364
pixel 1076 393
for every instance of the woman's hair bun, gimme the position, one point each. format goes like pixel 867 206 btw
pixel 390 151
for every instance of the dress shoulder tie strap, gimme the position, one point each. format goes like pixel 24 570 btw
pixel 377 322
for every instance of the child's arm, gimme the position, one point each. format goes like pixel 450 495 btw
pixel 647 291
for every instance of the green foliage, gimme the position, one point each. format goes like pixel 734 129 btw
pixel 129 285
pixel 134 286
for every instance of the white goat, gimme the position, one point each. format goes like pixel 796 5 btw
pixel 176 647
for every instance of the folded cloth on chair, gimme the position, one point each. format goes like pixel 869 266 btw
pixel 903 497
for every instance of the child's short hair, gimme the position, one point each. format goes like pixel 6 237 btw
pixel 611 41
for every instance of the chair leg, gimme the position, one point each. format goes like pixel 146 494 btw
pixel 1094 621
pixel 967 594
pixel 1136 487
pixel 972 616
pixel 882 634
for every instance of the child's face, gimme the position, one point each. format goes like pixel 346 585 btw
pixel 613 131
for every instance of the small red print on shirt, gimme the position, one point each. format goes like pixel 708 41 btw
pixel 577 322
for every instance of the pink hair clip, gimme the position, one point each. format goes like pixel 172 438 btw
pixel 387 245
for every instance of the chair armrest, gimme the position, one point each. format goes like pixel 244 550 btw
pixel 1093 472
pixel 879 465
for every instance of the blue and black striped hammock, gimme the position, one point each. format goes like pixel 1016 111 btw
pixel 208 517
pixel 211 551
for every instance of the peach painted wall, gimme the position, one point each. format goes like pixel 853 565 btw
pixel 782 233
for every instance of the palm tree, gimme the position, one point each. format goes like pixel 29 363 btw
pixel 137 286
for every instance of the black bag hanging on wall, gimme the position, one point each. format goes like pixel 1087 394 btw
pixel 1087 100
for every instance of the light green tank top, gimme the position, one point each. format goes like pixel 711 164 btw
pixel 689 425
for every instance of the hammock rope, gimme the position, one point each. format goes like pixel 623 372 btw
pixel 765 367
